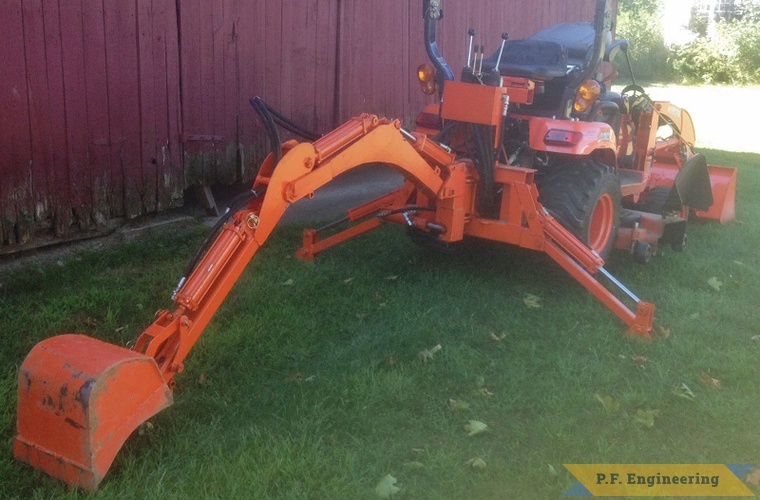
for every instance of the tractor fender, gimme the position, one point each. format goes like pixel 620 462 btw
pixel 571 137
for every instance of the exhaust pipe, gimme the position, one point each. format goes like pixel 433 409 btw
pixel 432 13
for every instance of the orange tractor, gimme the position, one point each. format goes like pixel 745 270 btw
pixel 529 148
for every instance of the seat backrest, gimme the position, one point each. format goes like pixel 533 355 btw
pixel 576 38
pixel 530 59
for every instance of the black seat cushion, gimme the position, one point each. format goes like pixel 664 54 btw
pixel 576 38
pixel 530 59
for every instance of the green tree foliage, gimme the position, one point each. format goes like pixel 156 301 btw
pixel 730 55
pixel 639 22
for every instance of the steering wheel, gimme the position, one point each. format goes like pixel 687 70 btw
pixel 637 99
pixel 635 90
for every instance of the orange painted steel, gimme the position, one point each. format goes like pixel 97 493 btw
pixel 722 181
pixel 661 159
pixel 467 102
pixel 80 398
pixel 594 137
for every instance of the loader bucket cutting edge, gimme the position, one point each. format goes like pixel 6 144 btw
pixel 79 399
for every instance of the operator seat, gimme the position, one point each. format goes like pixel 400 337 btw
pixel 553 56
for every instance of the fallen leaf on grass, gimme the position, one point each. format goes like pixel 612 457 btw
pixel 496 338
pixel 289 282
pixel 203 381
pixel 710 381
pixel 532 301
pixel 347 281
pixel 475 427
pixel 145 428
pixel 663 332
pixel 715 283
pixel 476 463
pixel 484 393
pixel 414 465
pixel 391 278
pixel 683 391
pixel 756 338
pixel 640 360
pixel 426 355
pixel 552 470
pixel 294 377
pixel 753 477
pixel 646 417
pixel 457 405
pixel 391 361
pixel 608 402
pixel 387 487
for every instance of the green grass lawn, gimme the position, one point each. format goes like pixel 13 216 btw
pixel 309 382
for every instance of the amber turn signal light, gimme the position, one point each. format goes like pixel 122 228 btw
pixel 426 77
pixel 586 96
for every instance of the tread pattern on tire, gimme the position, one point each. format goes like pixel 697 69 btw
pixel 570 191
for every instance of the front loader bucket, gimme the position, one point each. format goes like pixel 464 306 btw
pixel 723 181
pixel 79 399
pixel 691 180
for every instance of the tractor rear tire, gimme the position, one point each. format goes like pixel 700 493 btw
pixel 584 196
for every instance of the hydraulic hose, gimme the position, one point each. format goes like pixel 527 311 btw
pixel 237 203
pixel 291 126
pixel 268 121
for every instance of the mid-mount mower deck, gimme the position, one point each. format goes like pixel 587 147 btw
pixel 526 150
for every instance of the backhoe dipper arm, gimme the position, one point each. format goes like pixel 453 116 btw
pixel 304 168
pixel 80 398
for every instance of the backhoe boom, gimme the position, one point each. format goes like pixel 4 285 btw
pixel 80 398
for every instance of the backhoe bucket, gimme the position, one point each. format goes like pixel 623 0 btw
pixel 79 399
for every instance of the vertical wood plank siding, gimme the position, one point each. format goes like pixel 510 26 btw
pixel 111 108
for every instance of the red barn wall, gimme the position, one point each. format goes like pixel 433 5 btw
pixel 111 108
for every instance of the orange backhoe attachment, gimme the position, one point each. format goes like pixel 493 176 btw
pixel 79 398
